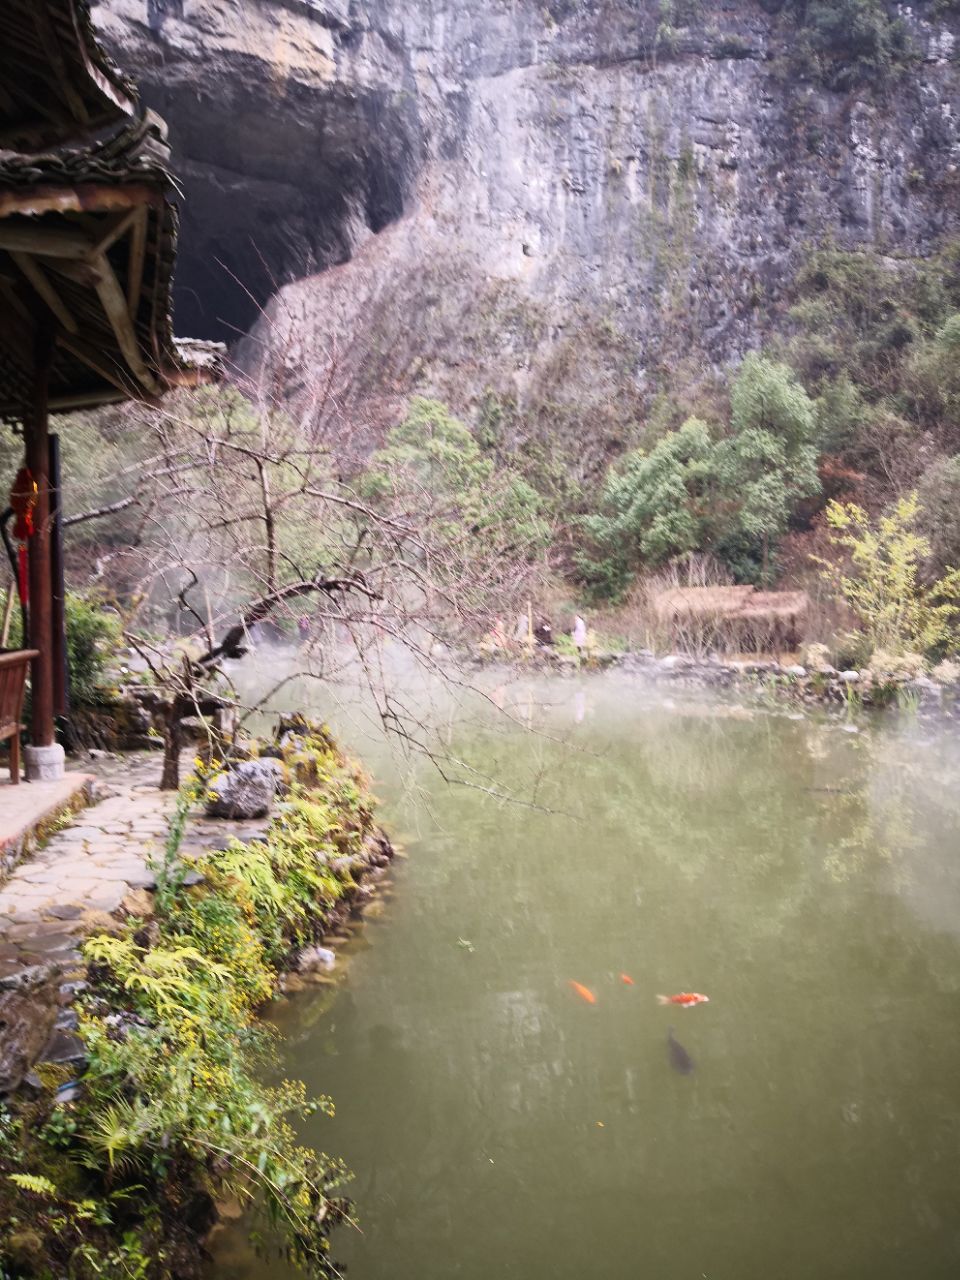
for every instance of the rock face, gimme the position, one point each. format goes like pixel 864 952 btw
pixel 557 202
pixel 294 130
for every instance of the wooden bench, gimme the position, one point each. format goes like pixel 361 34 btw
pixel 13 676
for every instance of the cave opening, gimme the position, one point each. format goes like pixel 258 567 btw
pixel 274 196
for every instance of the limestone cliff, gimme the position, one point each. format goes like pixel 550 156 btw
pixel 560 202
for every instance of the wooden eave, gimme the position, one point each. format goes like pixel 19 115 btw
pixel 56 82
pixel 87 251
pixel 90 271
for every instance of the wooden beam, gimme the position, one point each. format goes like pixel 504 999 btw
pixel 138 252
pixel 45 289
pixel 37 450
pixel 68 243
pixel 82 197
pixel 114 303
pixel 87 400
pixel 50 242
pixel 117 225
pixel 81 273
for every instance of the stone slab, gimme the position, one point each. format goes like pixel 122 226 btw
pixel 27 806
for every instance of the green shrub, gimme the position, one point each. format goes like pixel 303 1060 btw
pixel 939 516
pixel 846 43
pixel 654 506
pixel 431 470
pixel 840 412
pixel 731 496
pixel 768 461
pixel 875 340
pixel 876 571
pixel 932 381
pixel 175 1105
pixel 93 638
pixel 94 633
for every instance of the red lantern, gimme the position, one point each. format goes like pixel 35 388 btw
pixel 23 499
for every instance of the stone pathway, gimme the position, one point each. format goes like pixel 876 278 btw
pixel 93 865
pixel 77 884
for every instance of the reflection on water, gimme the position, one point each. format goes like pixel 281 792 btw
pixel 805 877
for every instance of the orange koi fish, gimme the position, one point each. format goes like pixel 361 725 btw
pixel 686 999
pixel 626 979
pixel 583 992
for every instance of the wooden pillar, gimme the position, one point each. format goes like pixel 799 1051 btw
pixel 57 585
pixel 37 449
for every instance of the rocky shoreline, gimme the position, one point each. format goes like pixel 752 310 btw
pixel 57 1090
pixel 821 685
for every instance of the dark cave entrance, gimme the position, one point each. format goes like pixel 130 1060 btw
pixel 271 196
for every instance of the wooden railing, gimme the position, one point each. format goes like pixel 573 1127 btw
pixel 13 675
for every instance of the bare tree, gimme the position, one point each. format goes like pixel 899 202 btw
pixel 246 522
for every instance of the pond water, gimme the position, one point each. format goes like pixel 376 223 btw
pixel 803 874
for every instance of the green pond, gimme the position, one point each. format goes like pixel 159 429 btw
pixel 804 873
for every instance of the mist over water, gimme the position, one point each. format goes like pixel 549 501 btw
pixel 804 873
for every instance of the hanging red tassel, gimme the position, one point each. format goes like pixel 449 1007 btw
pixel 23 499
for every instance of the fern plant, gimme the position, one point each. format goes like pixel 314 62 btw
pixel 174 1097
pixel 39 1185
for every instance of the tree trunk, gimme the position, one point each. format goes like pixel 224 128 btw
pixel 172 743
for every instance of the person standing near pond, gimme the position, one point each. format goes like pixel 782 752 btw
pixel 579 634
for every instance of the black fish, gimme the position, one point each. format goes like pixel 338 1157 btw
pixel 680 1060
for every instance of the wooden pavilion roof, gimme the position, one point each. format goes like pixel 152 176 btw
pixel 87 235
pixel 56 82
pixel 87 250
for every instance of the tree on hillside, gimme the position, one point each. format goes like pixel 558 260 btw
pixel 731 496
pixel 432 474
pixel 769 459
pixel 655 505
pixel 876 569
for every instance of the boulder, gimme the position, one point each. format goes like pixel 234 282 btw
pixel 65 1049
pixel 245 791
pixel 312 958
pixel 29 1004
pixel 816 657
pixel 675 662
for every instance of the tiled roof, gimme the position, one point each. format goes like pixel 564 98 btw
pixel 57 82
pixel 88 241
